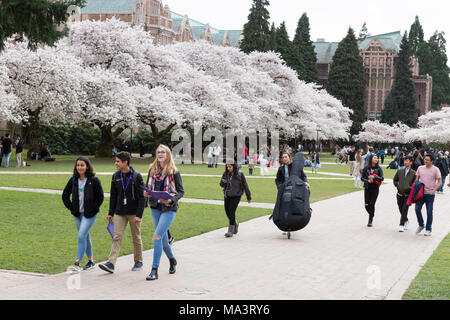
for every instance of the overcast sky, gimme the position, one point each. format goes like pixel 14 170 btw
pixel 328 19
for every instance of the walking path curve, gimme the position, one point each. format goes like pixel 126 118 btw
pixel 335 257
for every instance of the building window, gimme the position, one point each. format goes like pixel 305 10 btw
pixel 371 115
pixel 378 115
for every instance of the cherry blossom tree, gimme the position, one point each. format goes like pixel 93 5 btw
pixel 9 110
pixel 432 127
pixel 47 85
pixel 304 104
pixel 375 131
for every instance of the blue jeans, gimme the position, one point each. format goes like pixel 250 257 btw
pixel 162 222
pixel 84 238
pixel 428 200
pixel 441 188
pixel 6 160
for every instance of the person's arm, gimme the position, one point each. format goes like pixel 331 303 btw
pixel 113 198
pixel 66 195
pixel 179 187
pixel 99 195
pixel 140 196
pixel 380 177
pixel 248 194
pixel 365 175
pixel 303 176
pixel 224 177
pixel 278 178
pixel 396 179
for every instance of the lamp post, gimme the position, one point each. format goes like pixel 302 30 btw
pixel 317 141
pixel 295 133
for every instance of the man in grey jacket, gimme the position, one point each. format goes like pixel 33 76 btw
pixel 403 180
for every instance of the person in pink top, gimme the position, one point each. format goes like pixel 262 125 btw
pixel 430 176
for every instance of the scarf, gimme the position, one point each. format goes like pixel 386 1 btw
pixel 169 182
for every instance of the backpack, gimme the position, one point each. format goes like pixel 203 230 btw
pixel 292 210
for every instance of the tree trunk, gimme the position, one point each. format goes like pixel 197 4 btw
pixel 34 133
pixel 107 138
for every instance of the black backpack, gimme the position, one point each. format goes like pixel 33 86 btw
pixel 292 210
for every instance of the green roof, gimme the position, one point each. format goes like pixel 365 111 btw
pixel 108 6
pixel 326 50
pixel 198 28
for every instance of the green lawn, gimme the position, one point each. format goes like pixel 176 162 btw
pixel 263 190
pixel 433 280
pixel 39 235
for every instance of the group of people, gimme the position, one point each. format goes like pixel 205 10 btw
pixel 6 145
pixel 83 196
pixel 407 181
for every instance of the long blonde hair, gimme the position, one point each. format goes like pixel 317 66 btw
pixel 170 164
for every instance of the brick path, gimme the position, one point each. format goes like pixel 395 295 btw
pixel 335 257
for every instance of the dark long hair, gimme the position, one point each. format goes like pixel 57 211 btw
pixel 369 163
pixel 235 168
pixel 89 168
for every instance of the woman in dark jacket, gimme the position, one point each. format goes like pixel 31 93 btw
pixel 372 177
pixel 234 185
pixel 163 175
pixel 87 197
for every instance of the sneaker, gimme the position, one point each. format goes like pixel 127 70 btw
pixel 406 225
pixel 419 229
pixel 401 228
pixel 76 267
pixel 108 267
pixel 427 233
pixel 90 265
pixel 137 266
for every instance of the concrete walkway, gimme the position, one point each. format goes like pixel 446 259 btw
pixel 335 257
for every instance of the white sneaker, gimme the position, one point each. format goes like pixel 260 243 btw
pixel 419 229
pixel 401 228
pixel 406 225
pixel 427 233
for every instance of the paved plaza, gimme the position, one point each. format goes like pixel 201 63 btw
pixel 335 257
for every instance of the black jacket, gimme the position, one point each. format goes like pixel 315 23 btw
pixel 442 165
pixel 134 194
pixel 281 178
pixel 365 177
pixel 93 197
pixel 235 186
pixel 174 205
pixel 19 146
pixel 7 142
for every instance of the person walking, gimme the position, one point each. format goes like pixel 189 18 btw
pixel 19 148
pixel 6 149
pixel 403 181
pixel 430 176
pixel 372 177
pixel 210 157
pixel 382 154
pixel 234 185
pixel 284 171
pixel 315 161
pixel 141 148
pixel 163 175
pixel 417 160
pixel 126 206
pixel 352 159
pixel 87 197
pixel 216 153
pixel 1 150
pixel 442 164
pixel 357 171
pixel 262 164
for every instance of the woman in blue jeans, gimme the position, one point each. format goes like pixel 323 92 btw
pixel 87 197
pixel 163 175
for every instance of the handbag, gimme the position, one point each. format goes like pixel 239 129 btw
pixel 378 183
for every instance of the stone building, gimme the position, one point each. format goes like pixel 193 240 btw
pixel 379 55
pixel 165 25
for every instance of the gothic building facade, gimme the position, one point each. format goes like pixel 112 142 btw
pixel 163 24
pixel 379 55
